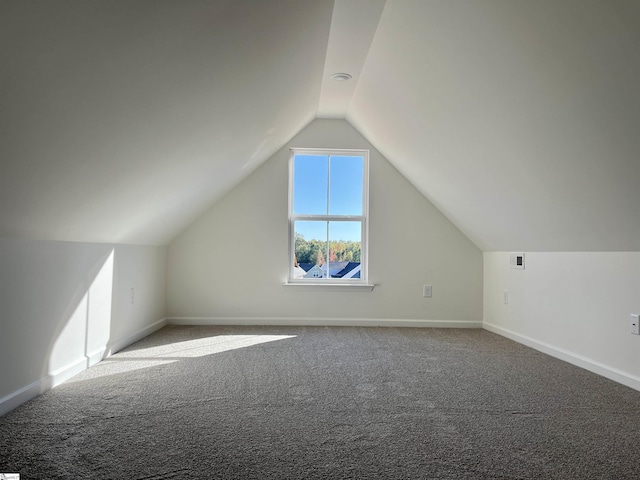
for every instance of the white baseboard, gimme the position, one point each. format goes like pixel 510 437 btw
pixel 63 374
pixel 324 322
pixel 567 356
pixel 23 395
pixel 118 345
pixel 53 379
pixel 96 356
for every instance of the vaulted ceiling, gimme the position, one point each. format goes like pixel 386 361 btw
pixel 123 121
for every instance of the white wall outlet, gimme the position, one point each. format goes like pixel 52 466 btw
pixel 635 324
pixel 132 295
pixel 426 291
pixel 505 297
pixel 516 260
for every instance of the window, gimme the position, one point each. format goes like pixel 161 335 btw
pixel 328 207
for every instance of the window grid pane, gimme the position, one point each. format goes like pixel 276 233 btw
pixel 328 249
pixel 311 177
pixel 345 185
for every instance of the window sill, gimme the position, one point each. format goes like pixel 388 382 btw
pixel 352 287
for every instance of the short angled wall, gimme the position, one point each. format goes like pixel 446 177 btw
pixel 53 379
pixel 575 306
pixel 66 306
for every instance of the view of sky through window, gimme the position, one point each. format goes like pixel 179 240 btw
pixel 328 186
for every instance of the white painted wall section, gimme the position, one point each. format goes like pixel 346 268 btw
pixel 231 263
pixel 574 305
pixel 64 306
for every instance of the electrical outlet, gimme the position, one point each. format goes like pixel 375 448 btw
pixel 133 295
pixel 426 291
pixel 635 324
pixel 505 297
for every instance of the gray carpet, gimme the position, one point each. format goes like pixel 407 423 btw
pixel 330 403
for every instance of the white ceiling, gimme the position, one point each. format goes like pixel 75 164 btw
pixel 353 26
pixel 520 120
pixel 123 121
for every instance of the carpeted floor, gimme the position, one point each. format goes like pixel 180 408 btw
pixel 326 403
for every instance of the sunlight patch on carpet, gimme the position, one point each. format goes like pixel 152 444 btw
pixel 136 359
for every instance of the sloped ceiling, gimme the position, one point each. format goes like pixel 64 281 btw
pixel 520 120
pixel 122 121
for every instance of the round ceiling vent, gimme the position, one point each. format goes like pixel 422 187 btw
pixel 341 77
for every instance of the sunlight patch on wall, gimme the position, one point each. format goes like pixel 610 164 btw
pixel 86 332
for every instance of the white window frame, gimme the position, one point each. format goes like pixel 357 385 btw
pixel 364 219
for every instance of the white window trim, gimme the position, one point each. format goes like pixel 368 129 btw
pixel 332 283
pixel 328 286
